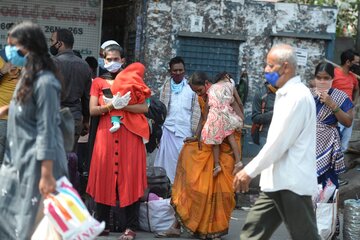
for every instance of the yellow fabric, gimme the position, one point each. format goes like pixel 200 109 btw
pixel 2 62
pixel 204 204
pixel 7 87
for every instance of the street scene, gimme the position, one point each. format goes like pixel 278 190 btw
pixel 189 119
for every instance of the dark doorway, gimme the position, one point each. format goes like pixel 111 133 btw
pixel 115 20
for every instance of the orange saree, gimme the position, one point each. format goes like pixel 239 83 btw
pixel 203 204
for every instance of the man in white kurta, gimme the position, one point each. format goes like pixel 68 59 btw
pixel 183 113
pixel 287 162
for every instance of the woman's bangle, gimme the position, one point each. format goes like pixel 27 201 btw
pixel 99 107
pixel 335 110
pixel 108 108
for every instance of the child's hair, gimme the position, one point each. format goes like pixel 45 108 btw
pixel 221 76
pixel 198 78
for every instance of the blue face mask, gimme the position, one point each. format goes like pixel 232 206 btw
pixel 14 55
pixel 272 78
pixel 101 63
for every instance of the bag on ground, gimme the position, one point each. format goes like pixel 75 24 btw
pixel 156 215
pixel 326 214
pixel 68 214
pixel 158 183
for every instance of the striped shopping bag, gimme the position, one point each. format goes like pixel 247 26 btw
pixel 69 215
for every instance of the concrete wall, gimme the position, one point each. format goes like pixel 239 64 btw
pixel 257 21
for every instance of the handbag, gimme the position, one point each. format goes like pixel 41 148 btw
pixel 255 132
pixel 326 214
pixel 67 126
pixel 257 128
pixel 69 215
pixel 45 230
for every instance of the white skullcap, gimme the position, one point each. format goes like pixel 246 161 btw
pixel 108 43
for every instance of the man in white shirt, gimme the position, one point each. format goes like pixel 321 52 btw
pixel 287 162
pixel 183 114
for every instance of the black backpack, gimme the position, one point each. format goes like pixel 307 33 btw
pixel 158 183
pixel 156 115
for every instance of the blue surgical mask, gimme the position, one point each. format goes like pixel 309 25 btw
pixel 272 78
pixel 14 55
pixel 101 62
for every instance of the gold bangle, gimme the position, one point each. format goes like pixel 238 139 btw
pixel 108 108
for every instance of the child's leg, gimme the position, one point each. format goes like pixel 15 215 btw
pixel 115 120
pixel 234 146
pixel 216 155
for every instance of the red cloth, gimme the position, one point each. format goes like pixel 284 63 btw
pixel 345 82
pixel 118 160
pixel 131 79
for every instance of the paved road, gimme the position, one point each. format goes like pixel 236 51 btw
pixel 236 223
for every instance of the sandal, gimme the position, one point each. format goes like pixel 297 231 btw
pixel 216 170
pixel 128 235
pixel 170 233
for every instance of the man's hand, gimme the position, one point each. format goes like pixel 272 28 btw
pixel 241 182
pixel 4 110
pixel 119 101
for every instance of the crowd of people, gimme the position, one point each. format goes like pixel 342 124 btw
pixel 307 127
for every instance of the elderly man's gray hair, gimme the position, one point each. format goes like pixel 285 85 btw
pixel 285 53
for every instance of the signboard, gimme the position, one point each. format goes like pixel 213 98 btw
pixel 196 23
pixel 81 17
pixel 301 55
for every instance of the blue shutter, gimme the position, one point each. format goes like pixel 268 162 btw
pixel 210 55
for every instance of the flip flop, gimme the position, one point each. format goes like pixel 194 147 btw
pixel 128 235
pixel 170 233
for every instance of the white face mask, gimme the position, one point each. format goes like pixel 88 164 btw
pixel 113 67
pixel 323 86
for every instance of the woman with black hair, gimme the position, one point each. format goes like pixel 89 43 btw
pixel 34 155
pixel 332 106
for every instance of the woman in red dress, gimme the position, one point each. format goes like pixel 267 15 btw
pixel 118 163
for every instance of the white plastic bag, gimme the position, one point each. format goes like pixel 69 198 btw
pixel 324 194
pixel 45 231
pixel 156 215
pixel 69 215
pixel 326 217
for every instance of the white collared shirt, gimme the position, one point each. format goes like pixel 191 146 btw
pixel 178 119
pixel 288 159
